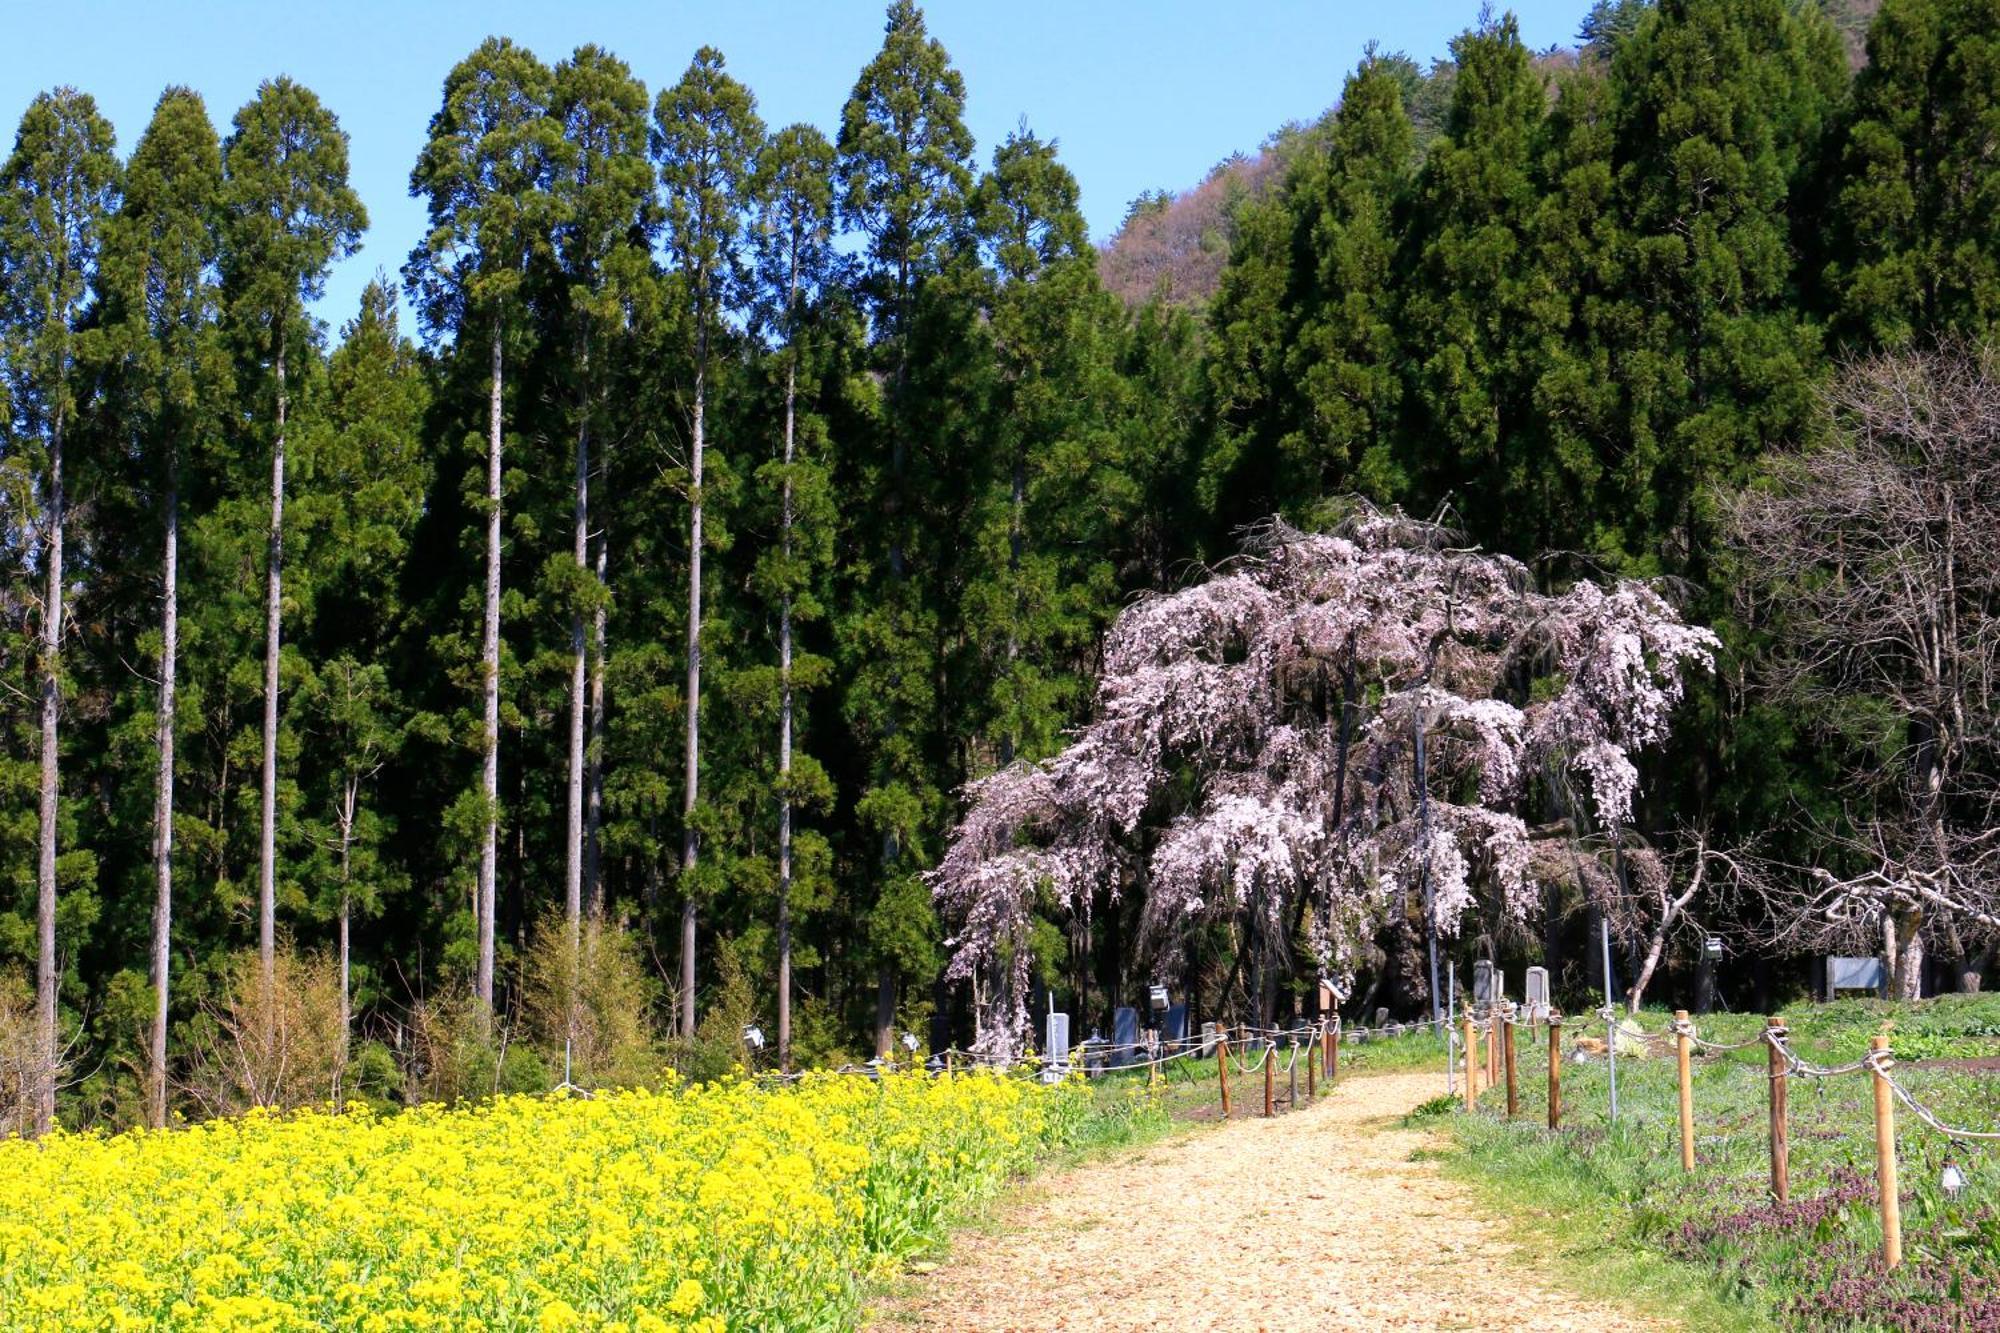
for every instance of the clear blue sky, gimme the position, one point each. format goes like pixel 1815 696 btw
pixel 1139 95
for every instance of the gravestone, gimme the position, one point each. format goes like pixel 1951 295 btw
pixel 1056 1048
pixel 1487 985
pixel 1124 1037
pixel 1174 1028
pixel 1535 993
pixel 1210 1032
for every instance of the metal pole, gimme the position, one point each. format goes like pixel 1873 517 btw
pixel 1610 1020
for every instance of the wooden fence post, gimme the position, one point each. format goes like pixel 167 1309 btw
pixel 1270 1078
pixel 1885 1154
pixel 1682 1050
pixel 1222 1071
pixel 1555 1071
pixel 1513 1094
pixel 1781 1145
pixel 1471 1063
pixel 1333 1055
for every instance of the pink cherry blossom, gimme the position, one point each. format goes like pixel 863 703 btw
pixel 1218 775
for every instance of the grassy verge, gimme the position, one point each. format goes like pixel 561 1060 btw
pixel 1624 1219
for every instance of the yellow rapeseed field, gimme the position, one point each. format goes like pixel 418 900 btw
pixel 726 1206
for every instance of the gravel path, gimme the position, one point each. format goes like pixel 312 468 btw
pixel 1314 1220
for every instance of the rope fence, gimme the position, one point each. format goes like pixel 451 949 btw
pixel 1497 1026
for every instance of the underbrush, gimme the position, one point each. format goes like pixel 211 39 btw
pixel 1615 1196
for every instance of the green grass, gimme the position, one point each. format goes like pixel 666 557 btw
pixel 1625 1220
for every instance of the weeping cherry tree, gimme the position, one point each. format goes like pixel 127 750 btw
pixel 1337 730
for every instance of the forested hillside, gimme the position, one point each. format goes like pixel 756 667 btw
pixel 594 669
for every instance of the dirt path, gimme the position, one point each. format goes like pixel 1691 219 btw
pixel 1315 1220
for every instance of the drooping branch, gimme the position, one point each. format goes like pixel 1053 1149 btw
pixel 1215 694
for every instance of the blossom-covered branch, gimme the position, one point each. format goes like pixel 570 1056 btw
pixel 1252 750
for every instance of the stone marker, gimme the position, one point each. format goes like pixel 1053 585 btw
pixel 1056 1049
pixel 1487 985
pixel 1535 994
pixel 1175 1028
pixel 1124 1037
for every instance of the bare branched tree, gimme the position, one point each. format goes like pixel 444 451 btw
pixel 1876 574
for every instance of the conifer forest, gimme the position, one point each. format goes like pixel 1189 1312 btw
pixel 739 576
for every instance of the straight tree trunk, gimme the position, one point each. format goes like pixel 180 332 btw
pixel 785 722
pixel 350 800
pixel 163 804
pixel 267 830
pixel 45 862
pixel 489 645
pixel 578 704
pixel 593 814
pixel 691 779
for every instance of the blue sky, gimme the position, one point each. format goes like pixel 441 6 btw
pixel 1139 96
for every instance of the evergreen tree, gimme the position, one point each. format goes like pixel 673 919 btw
pixel 291 213
pixel 372 470
pixel 1718 109
pixel 603 190
pixel 1346 358
pixel 484 174
pixel 903 175
pixel 1916 196
pixel 1472 286
pixel 160 279
pixel 706 136
pixel 795 266
pixel 1042 578
pixel 56 189
pixel 1576 313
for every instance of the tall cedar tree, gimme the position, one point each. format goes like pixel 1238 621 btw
pixel 903 176
pixel 56 189
pixel 485 175
pixel 1346 356
pixel 1916 192
pixel 1472 291
pixel 706 135
pixel 162 299
pixel 372 472
pixel 795 266
pixel 603 195
pixel 1042 568
pixel 290 214
pixel 1718 108
pixel 1575 310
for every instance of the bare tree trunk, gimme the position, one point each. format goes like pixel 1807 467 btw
pixel 489 776
pixel 885 1009
pixel 1670 912
pixel 593 814
pixel 350 799
pixel 267 830
pixel 785 727
pixel 1908 982
pixel 163 805
pixel 578 680
pixel 691 778
pixel 45 862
